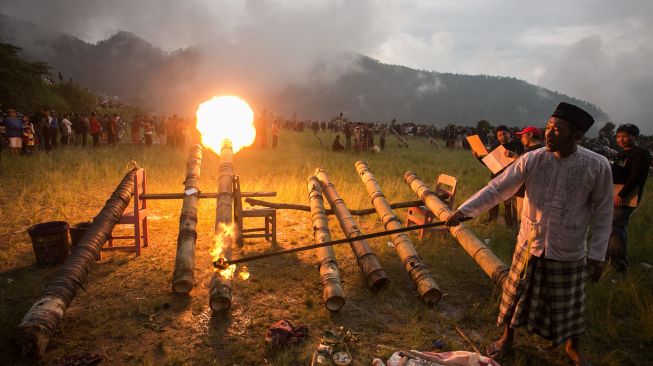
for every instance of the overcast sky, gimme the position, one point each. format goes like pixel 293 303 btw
pixel 596 50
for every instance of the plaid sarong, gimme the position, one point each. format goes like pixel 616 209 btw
pixel 550 300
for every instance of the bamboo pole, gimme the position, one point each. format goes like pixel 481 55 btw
pixel 292 206
pixel 183 278
pixel 326 256
pixel 42 319
pixel 375 276
pixel 398 136
pixel 178 196
pixel 427 289
pixel 484 257
pixel 221 286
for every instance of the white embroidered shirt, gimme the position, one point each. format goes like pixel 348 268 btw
pixel 564 197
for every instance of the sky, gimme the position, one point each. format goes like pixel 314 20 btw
pixel 595 50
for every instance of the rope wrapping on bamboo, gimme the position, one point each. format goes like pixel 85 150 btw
pixel 44 316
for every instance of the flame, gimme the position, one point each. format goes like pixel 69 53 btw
pixel 225 234
pixel 244 273
pixel 226 118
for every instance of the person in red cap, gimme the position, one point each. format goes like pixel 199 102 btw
pixel 568 193
pixel 530 138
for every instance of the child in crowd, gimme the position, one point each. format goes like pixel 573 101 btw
pixel 28 136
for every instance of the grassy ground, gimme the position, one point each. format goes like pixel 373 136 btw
pixel 128 313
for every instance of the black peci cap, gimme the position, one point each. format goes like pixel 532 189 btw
pixel 574 115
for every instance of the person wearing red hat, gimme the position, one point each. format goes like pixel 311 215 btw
pixel 568 194
pixel 530 138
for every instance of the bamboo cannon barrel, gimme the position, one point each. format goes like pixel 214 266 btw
pixel 375 276
pixel 42 319
pixel 427 289
pixel 293 206
pixel 334 299
pixel 221 286
pixel 183 278
pixel 484 257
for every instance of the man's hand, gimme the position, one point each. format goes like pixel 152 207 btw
pixel 455 218
pixel 618 201
pixel 510 154
pixel 595 269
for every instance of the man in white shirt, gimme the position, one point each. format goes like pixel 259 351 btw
pixel 567 189
pixel 67 128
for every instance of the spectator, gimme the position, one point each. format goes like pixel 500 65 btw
pixel 14 132
pixel 504 139
pixel 337 146
pixel 86 126
pixel 96 130
pixel 66 130
pixel 630 169
pixel 113 130
pixel 54 130
pixel 28 135
pixel 148 131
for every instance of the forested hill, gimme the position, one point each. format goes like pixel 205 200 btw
pixel 381 91
pixel 139 72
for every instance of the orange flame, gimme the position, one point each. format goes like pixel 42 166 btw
pixel 226 118
pixel 244 273
pixel 222 239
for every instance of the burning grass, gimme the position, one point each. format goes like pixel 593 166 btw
pixel 129 314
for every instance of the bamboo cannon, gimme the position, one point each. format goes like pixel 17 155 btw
pixel 42 319
pixel 484 257
pixel 221 286
pixel 427 289
pixel 333 296
pixel 375 276
pixel 292 206
pixel 183 278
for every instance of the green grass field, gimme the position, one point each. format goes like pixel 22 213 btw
pixel 128 313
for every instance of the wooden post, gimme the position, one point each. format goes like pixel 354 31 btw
pixel 427 289
pixel 326 257
pixel 221 286
pixel 183 278
pixel 484 257
pixel 42 319
pixel 375 276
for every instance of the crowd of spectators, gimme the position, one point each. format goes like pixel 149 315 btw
pixel 47 130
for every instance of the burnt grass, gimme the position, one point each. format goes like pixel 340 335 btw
pixel 128 314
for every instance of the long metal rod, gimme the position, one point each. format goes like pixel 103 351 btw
pixel 292 206
pixel 224 263
pixel 174 196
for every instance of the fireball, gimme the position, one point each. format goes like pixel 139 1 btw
pixel 226 118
